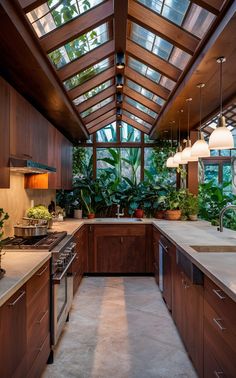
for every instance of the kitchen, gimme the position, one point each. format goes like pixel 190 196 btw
pixel 98 270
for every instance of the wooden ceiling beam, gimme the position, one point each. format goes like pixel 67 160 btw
pixel 87 60
pixel 157 89
pixel 102 124
pixel 92 83
pixel 101 119
pixel 99 112
pixel 213 6
pixel 162 27
pixel 78 26
pixel 29 5
pixel 97 98
pixel 138 113
pixel 120 24
pixel 153 61
pixel 142 99
pixel 135 124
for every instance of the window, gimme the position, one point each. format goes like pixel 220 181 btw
pixel 92 92
pixel 107 134
pixel 96 107
pixel 151 96
pixel 140 106
pixel 129 133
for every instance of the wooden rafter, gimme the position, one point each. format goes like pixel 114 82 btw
pixel 92 83
pixel 213 6
pixel 138 113
pixel 87 60
pixel 102 124
pixel 135 124
pixel 142 99
pixel 153 61
pixel 162 27
pixel 29 5
pixel 77 27
pixel 157 89
pixel 99 112
pixel 100 119
pixel 97 98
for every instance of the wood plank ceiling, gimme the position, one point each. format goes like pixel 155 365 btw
pixel 84 39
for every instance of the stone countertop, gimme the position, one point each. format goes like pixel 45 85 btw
pixel 20 267
pixel 220 267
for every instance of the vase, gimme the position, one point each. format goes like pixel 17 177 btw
pixel 138 213
pixel 78 214
pixel 193 217
pixel 91 216
pixel 173 214
pixel 160 214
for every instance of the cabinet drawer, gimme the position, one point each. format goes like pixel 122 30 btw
pixel 40 360
pixel 37 281
pixel 38 306
pixel 118 230
pixel 212 369
pixel 220 340
pixel 220 302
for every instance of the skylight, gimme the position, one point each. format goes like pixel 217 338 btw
pixel 137 119
pixel 55 13
pixel 140 107
pixel 96 107
pixel 79 46
pixel 145 92
pixel 92 92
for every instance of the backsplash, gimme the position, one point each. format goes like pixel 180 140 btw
pixel 16 200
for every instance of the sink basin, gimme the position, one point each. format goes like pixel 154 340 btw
pixel 214 248
pixel 115 220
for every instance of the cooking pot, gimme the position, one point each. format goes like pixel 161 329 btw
pixel 30 230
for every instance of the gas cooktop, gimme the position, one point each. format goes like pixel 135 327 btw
pixel 47 242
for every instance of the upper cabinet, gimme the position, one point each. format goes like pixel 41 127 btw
pixel 25 133
pixel 4 134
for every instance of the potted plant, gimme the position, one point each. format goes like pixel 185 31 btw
pixel 41 214
pixel 174 203
pixel 87 200
pixel 192 204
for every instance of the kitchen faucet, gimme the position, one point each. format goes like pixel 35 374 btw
pixel 227 207
pixel 118 212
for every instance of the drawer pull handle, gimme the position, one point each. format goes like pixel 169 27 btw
pixel 218 374
pixel 40 321
pixel 12 304
pixel 217 321
pixel 218 293
pixel 41 273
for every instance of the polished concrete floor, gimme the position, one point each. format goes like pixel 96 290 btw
pixel 119 328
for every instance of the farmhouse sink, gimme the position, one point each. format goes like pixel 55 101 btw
pixel 115 220
pixel 214 248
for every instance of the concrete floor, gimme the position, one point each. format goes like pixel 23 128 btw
pixel 119 328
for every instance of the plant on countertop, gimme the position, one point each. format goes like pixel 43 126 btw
pixel 3 217
pixel 190 206
pixel 39 212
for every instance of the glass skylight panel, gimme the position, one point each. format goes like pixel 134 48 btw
pixel 198 21
pixel 96 107
pixel 145 92
pixel 179 58
pixel 87 74
pixel 92 92
pixel 173 10
pixel 140 107
pixel 55 13
pixel 167 83
pixel 79 46
pixel 137 119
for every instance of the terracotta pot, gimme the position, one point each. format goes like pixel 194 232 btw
pixel 193 217
pixel 160 214
pixel 91 216
pixel 138 213
pixel 173 214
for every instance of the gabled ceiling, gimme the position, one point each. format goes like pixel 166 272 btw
pixel 79 41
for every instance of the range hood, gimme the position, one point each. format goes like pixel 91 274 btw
pixel 22 165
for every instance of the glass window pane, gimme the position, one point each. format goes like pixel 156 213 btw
pixel 148 140
pixel 214 152
pixel 92 92
pixel 55 13
pixel 107 134
pixel 130 164
pixel 151 96
pixel 96 107
pixel 224 152
pixel 129 133
pixel 137 119
pixel 87 74
pixel 140 107
pixel 227 174
pixel 82 162
pixel 211 173
pixel 198 20
pixel 154 166
pixel 79 46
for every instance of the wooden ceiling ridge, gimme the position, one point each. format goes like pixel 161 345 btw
pixel 87 60
pixel 153 61
pixel 92 83
pixel 78 26
pixel 139 79
pixel 110 91
pixel 159 25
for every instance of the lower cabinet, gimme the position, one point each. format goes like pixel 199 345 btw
pixel 79 266
pixel 25 328
pixel 155 244
pixel 168 259
pixel 118 249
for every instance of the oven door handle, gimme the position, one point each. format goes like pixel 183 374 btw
pixel 56 278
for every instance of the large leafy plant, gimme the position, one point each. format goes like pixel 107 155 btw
pixel 3 217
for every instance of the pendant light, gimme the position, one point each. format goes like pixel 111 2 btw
pixel 178 156
pixel 186 154
pixel 221 138
pixel 170 161
pixel 200 147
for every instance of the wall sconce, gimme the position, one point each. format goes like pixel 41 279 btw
pixel 119 81
pixel 120 60
pixel 119 98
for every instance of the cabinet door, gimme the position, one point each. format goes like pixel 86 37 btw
pixel 167 278
pixel 178 300
pixel 4 134
pixel 66 164
pixel 54 157
pixel 13 339
pixel 109 256
pixel 133 254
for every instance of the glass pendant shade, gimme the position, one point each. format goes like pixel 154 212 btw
pixel 200 148
pixel 221 138
pixel 178 157
pixel 170 163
